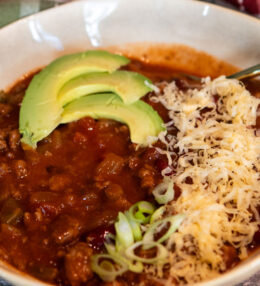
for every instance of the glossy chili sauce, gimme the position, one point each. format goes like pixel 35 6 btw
pixel 59 201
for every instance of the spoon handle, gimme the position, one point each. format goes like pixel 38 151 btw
pixel 247 73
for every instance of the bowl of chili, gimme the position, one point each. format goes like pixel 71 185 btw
pixel 60 202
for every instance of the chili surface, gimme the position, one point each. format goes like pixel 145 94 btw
pixel 59 201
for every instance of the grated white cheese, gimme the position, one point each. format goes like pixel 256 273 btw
pixel 220 152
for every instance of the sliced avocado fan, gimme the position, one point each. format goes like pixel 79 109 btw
pixel 84 84
pixel 143 121
pixel 41 112
pixel 129 86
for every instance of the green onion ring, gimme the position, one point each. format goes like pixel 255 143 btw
pixel 105 269
pixel 111 249
pixel 136 267
pixel 161 256
pixel 164 192
pixel 141 212
pixel 175 222
pixel 124 234
pixel 136 229
pixel 158 214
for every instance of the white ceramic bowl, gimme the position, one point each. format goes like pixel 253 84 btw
pixel 34 41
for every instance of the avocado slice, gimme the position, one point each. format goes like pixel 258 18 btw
pixel 141 118
pixel 41 111
pixel 129 86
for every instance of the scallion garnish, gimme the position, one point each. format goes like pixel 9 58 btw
pixel 158 226
pixel 160 255
pixel 108 266
pixel 141 212
pixel 124 234
pixel 140 234
pixel 136 229
pixel 158 214
pixel 164 192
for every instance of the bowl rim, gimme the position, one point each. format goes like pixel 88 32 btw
pixel 247 268
pixel 195 2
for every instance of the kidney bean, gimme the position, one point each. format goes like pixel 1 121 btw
pixel 96 238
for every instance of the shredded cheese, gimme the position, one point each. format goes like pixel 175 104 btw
pixel 220 152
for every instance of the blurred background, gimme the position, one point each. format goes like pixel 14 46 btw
pixel 11 10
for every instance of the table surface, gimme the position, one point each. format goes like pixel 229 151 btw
pixel 11 10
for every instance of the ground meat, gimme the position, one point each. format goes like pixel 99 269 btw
pixel 13 236
pixel 102 218
pixel 49 202
pixel 5 191
pixel 3 134
pixel 44 273
pixel 4 255
pixel 59 182
pixel 111 166
pixel 114 283
pixel 114 192
pixel 14 139
pixel 105 125
pixel 90 200
pixel 86 124
pixel 151 154
pixel 56 139
pixel 11 212
pixel 122 204
pixel 146 174
pixel 4 169
pixel 80 138
pixel 77 264
pixel 5 109
pixel 134 162
pixel 3 145
pixel 32 156
pixel 65 229
pixel 20 168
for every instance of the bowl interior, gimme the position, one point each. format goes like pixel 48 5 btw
pixel 34 41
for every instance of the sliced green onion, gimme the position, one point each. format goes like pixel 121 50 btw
pixel 107 266
pixel 164 192
pixel 161 255
pixel 136 229
pixel 175 221
pixel 124 234
pixel 133 266
pixel 110 241
pixel 120 248
pixel 141 212
pixel 136 267
pixel 158 214
pixel 111 249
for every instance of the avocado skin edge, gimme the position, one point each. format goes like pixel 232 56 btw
pixel 141 118
pixel 40 111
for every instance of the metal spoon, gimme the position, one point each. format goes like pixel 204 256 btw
pixel 251 72
pixel 247 73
